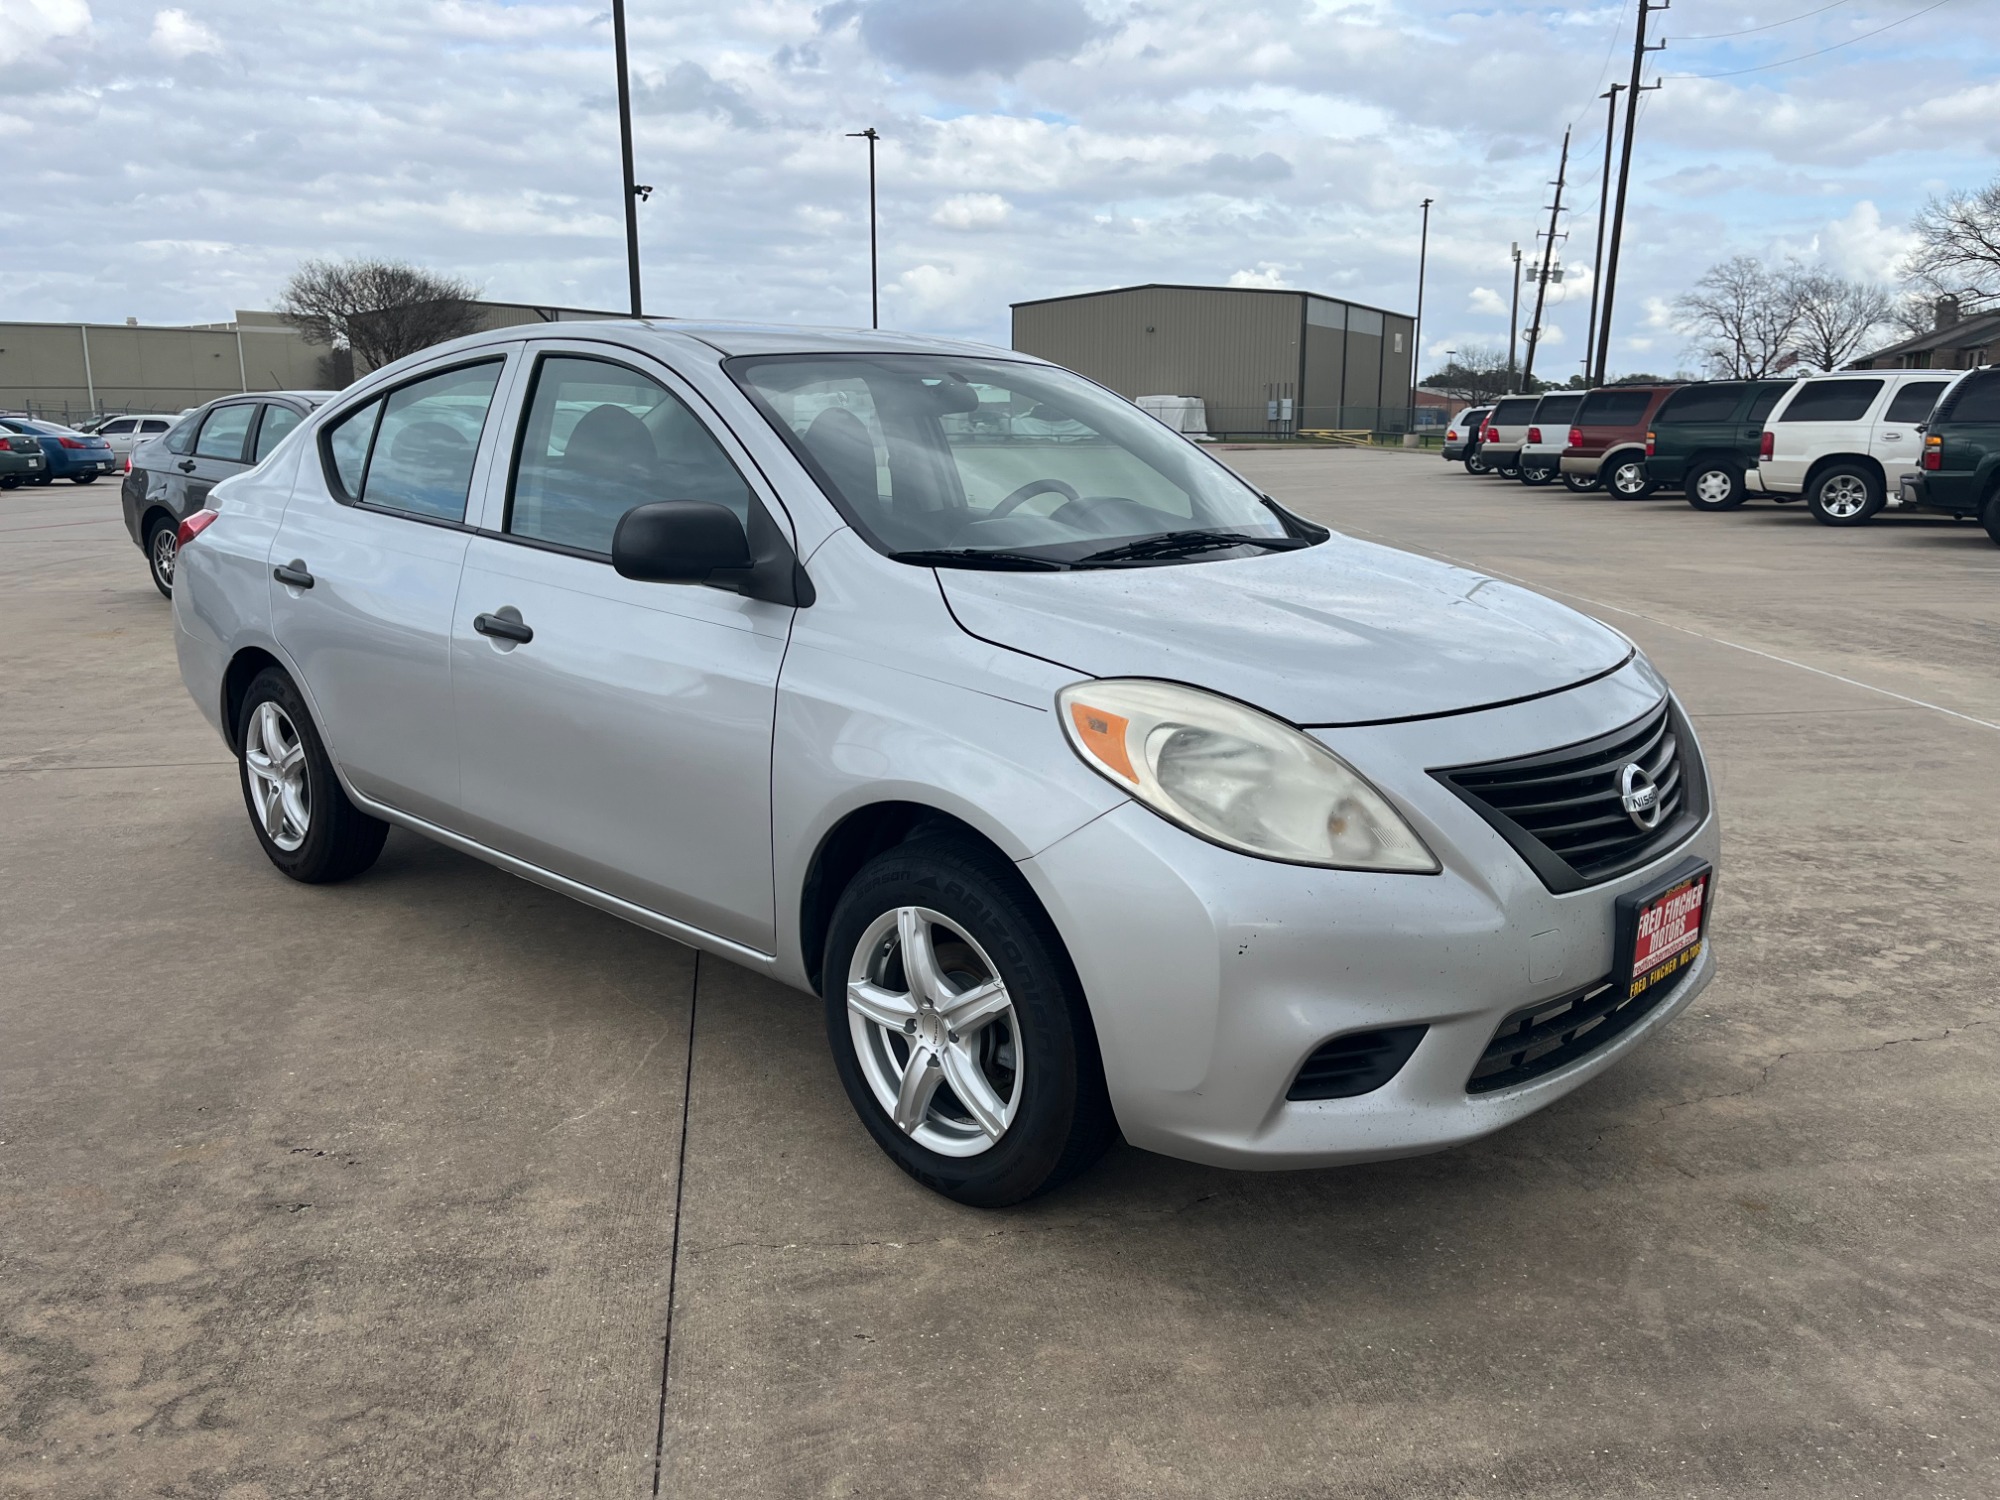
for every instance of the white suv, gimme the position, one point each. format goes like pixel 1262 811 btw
pixel 1843 440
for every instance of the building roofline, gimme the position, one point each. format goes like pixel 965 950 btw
pixel 1975 328
pixel 1191 286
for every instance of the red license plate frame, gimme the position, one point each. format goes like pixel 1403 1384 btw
pixel 1663 928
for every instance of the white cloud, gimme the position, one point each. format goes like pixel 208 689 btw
pixel 27 26
pixel 1859 244
pixel 972 211
pixel 1485 300
pixel 1267 275
pixel 178 35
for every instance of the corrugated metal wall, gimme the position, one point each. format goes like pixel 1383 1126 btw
pixel 1235 348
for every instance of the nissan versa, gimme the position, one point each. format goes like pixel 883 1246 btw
pixel 1090 788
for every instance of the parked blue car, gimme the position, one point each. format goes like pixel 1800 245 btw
pixel 71 455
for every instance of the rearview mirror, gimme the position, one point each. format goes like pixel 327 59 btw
pixel 678 541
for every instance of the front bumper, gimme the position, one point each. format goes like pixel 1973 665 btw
pixel 1212 976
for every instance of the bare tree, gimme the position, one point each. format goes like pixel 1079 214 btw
pixel 1835 317
pixel 1477 373
pixel 379 310
pixel 1741 317
pixel 1958 246
pixel 1913 313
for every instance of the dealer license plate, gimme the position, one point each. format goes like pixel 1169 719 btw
pixel 1661 929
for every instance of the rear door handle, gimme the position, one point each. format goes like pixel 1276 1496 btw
pixel 186 466
pixel 293 575
pixel 504 628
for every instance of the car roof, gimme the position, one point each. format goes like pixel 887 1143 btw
pixel 732 338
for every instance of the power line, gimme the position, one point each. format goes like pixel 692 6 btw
pixel 1716 36
pixel 1805 56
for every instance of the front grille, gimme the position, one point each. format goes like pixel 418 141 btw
pixel 1555 1033
pixel 1358 1063
pixel 1563 811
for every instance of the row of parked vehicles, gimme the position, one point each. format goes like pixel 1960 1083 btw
pixel 34 450
pixel 1848 444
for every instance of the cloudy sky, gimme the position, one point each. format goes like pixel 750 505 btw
pixel 175 163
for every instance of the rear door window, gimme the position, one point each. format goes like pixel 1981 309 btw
pixel 1914 401
pixel 1700 403
pixel 152 425
pixel 223 432
pixel 1515 412
pixel 412 450
pixel 278 420
pixel 1614 408
pixel 1832 401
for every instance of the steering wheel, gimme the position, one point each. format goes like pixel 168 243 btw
pixel 1028 492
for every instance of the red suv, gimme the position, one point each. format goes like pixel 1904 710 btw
pixel 1607 440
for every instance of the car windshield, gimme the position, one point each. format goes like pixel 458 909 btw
pixel 990 462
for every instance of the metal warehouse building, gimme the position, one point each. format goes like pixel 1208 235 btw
pixel 1263 362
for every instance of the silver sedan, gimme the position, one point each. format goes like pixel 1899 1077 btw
pixel 1088 788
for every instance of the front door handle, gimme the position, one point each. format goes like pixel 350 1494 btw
pixel 293 574
pixel 504 628
pixel 1892 437
pixel 186 466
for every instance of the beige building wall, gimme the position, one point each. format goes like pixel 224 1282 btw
pixel 77 369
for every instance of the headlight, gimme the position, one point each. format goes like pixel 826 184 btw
pixel 1237 777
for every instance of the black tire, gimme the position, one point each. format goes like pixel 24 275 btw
pixel 1714 484
pixel 1508 471
pixel 1062 1121
pixel 9 481
pixel 161 552
pixel 1625 477
pixel 1581 484
pixel 1537 476
pixel 1989 517
pixel 1845 495
pixel 83 479
pixel 1474 464
pixel 340 840
pixel 41 479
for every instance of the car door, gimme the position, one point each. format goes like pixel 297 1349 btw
pixel 365 571
pixel 1895 440
pixel 613 731
pixel 119 433
pixel 219 449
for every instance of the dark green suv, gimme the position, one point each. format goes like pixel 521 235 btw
pixel 1961 462
pixel 1705 437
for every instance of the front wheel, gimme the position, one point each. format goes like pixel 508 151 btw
pixel 1845 495
pixel 297 806
pixel 1715 486
pixel 162 547
pixel 83 479
pixel 958 1027
pixel 1580 484
pixel 1628 480
pixel 1990 517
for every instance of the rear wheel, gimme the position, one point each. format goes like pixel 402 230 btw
pixel 1537 474
pixel 161 550
pixel 1714 484
pixel 1990 517
pixel 1627 479
pixel 1508 471
pixel 1580 484
pixel 83 479
pixel 958 1028
pixel 1474 464
pixel 297 807
pixel 1845 495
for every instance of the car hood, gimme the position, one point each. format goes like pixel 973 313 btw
pixel 1345 632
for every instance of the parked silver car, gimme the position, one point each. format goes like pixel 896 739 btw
pixel 1087 786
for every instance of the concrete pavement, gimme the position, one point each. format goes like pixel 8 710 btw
pixel 372 1190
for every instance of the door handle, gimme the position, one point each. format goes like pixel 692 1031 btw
pixel 504 628
pixel 293 575
pixel 186 466
pixel 1892 437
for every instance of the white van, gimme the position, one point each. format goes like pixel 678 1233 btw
pixel 1843 440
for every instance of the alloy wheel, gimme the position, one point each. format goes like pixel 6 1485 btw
pixel 1713 487
pixel 164 550
pixel 275 757
pixel 934 1031
pixel 1629 479
pixel 1843 496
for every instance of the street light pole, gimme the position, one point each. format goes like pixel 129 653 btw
pixel 634 191
pixel 874 264
pixel 1514 321
pixel 1417 327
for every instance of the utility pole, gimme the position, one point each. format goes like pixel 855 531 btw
pixel 1548 255
pixel 1417 327
pixel 1514 322
pixel 1603 209
pixel 1639 51
pixel 874 273
pixel 634 191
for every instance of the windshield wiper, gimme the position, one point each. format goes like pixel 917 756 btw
pixel 1180 543
pixel 978 557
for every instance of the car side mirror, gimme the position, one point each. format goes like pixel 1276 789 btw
pixel 678 541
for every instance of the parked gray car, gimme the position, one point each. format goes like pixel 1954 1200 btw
pixel 1089 788
pixel 170 474
pixel 21 460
